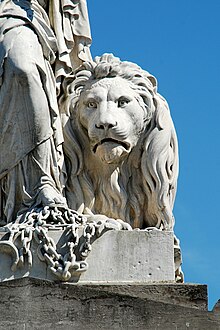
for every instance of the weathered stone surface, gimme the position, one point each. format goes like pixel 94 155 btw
pixel 121 144
pixel 131 256
pixel 103 144
pixel 35 304
pixel 116 256
pixel 36 53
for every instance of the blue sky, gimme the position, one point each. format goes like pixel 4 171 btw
pixel 179 43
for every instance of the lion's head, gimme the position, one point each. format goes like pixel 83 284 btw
pixel 120 144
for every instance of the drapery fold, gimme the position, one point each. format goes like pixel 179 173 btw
pixel 38 49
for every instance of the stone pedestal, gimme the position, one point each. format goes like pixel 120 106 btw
pixel 116 257
pixel 129 285
pixel 33 304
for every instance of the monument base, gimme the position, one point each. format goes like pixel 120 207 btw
pixel 36 304
pixel 116 256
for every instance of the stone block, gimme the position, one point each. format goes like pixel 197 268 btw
pixel 116 256
pixel 34 304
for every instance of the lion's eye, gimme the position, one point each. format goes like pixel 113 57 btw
pixel 122 102
pixel 92 104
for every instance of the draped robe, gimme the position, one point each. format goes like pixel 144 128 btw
pixel 38 47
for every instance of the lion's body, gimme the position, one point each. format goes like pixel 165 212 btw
pixel 116 191
pixel 120 145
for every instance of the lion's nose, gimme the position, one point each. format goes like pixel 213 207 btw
pixel 106 125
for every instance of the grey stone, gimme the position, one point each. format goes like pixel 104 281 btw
pixel 121 144
pixel 35 55
pixel 116 256
pixel 35 304
pixel 108 148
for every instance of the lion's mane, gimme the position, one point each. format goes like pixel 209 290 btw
pixel 140 191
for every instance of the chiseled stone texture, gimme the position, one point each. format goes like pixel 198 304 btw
pixel 116 256
pixel 35 304
pixel 131 256
pixel 121 144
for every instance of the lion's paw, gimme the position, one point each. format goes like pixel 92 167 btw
pixel 102 222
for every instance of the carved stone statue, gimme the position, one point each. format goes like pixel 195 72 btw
pixel 120 144
pixel 86 146
pixel 41 42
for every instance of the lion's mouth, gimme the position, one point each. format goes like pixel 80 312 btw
pixel 125 145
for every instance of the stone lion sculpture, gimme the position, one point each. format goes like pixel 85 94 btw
pixel 120 145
